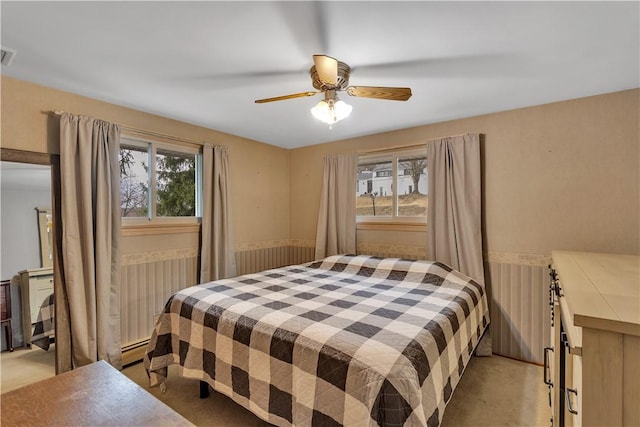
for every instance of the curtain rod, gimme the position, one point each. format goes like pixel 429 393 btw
pixel 413 145
pixel 142 132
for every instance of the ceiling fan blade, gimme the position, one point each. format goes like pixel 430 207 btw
pixel 308 23
pixel 327 69
pixel 282 98
pixel 391 93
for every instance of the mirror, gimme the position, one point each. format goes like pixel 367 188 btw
pixel 28 245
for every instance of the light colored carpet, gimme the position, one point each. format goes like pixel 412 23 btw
pixel 183 396
pixel 494 391
pixel 25 366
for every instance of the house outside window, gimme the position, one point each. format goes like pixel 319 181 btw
pixel 392 186
pixel 159 182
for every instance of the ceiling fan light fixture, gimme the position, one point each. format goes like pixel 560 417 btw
pixel 329 76
pixel 331 111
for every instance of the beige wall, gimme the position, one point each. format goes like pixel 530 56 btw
pixel 259 172
pixel 557 176
pixel 562 175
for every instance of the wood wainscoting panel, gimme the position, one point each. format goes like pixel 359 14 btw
pixel 301 254
pixel 252 260
pixel 519 304
pixel 392 251
pixel 146 286
pixel 259 259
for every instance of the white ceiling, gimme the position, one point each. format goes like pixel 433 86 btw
pixel 206 62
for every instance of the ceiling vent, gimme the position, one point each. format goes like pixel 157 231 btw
pixel 7 56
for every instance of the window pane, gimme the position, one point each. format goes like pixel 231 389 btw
pixel 412 186
pixel 134 181
pixel 374 193
pixel 175 184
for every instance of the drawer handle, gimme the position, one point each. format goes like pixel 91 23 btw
pixel 569 407
pixel 547 380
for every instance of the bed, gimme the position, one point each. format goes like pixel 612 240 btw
pixel 44 330
pixel 347 340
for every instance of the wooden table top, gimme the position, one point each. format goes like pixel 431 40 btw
pixel 94 395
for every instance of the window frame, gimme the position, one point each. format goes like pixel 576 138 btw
pixel 152 221
pixel 393 222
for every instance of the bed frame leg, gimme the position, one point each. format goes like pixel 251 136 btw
pixel 204 390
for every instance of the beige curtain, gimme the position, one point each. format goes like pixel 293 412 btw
pixel 336 232
pixel 454 214
pixel 90 217
pixel 217 256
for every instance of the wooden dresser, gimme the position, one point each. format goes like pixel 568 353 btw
pixel 35 286
pixel 592 366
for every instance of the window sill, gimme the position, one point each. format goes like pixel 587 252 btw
pixel 391 226
pixel 155 228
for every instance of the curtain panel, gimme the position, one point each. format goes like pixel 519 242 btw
pixel 336 231
pixel 455 211
pixel 217 256
pixel 91 226
pixel 454 214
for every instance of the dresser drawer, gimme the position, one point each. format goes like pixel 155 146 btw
pixel 40 288
pixel 571 391
pixel 35 286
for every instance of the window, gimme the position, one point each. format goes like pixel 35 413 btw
pixel 175 184
pixel 134 181
pixel 392 186
pixel 159 181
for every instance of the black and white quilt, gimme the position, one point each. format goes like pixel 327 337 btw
pixel 348 340
pixel 44 329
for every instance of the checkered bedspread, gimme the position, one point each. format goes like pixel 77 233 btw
pixel 44 329
pixel 348 340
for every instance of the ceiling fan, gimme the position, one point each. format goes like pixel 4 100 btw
pixel 330 76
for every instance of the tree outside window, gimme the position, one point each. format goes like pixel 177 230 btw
pixel 164 179
pixel 134 182
pixel 412 198
pixel 176 184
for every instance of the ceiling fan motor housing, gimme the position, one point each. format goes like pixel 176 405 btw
pixel 341 82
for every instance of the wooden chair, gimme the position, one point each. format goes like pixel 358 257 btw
pixel 5 311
